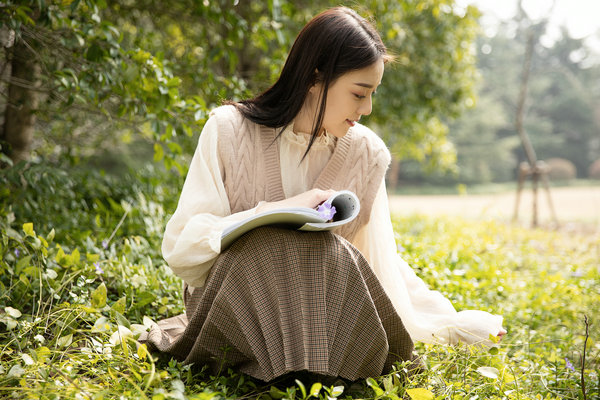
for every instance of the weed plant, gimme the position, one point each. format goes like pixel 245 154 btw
pixel 81 276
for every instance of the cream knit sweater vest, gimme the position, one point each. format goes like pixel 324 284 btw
pixel 251 172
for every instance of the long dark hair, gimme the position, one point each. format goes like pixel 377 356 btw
pixel 334 42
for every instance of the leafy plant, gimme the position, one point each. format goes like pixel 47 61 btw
pixel 74 297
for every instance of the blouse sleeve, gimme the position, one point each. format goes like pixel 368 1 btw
pixel 427 315
pixel 192 238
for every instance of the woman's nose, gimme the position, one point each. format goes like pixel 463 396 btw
pixel 366 106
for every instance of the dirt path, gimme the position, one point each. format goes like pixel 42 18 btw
pixel 578 205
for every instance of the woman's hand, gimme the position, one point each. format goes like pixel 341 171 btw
pixel 310 199
pixel 501 333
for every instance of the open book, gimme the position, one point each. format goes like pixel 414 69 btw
pixel 345 202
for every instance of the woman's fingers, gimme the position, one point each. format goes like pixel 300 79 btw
pixel 310 199
pixel 320 196
pixel 502 333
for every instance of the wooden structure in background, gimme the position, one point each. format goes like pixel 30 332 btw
pixel 537 170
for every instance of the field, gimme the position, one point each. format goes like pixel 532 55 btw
pixel 575 207
pixel 81 276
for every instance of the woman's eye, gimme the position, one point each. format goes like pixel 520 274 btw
pixel 359 96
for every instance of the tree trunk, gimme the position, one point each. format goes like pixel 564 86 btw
pixel 22 102
pixel 393 175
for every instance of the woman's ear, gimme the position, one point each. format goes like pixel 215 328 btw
pixel 316 86
pixel 317 76
pixel 316 89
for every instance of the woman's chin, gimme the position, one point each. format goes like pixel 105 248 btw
pixel 340 132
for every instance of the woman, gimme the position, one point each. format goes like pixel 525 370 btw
pixel 277 301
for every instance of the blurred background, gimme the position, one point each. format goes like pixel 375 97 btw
pixel 118 87
pixel 560 115
pixel 561 112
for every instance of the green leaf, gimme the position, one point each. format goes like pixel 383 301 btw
pixel 13 312
pixel 75 257
pixel 144 298
pixel 159 153
pixel 102 324
pixel 16 371
pixel 276 393
pixel 24 17
pixel 92 258
pixel 94 53
pixel 121 335
pixel 10 322
pixel 28 229
pixel 315 389
pixel 121 320
pixel 174 148
pixel 51 274
pixel 22 264
pixel 420 394
pixel 142 351
pixel 337 390
pixel 27 359
pixel 488 372
pixel 42 354
pixel 65 341
pixel 119 305
pixel 375 386
pixel 31 271
pixel 99 296
pixel 302 388
pixel 74 5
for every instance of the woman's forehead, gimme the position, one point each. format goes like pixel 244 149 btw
pixel 368 77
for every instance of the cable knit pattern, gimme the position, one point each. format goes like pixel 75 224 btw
pixel 242 161
pixel 358 164
pixel 249 154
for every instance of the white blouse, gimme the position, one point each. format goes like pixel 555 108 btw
pixel 192 238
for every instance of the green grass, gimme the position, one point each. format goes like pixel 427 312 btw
pixel 64 293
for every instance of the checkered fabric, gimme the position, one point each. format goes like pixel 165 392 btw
pixel 279 301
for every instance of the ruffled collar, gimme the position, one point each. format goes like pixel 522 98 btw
pixel 302 139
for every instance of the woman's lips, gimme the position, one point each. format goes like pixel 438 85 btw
pixel 351 123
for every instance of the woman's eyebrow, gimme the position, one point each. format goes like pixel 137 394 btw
pixel 366 85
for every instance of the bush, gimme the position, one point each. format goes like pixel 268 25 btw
pixel 594 171
pixel 561 169
pixel 85 203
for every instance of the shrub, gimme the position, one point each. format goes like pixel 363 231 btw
pixel 594 171
pixel 561 169
pixel 83 203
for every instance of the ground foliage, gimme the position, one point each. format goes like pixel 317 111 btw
pixel 81 276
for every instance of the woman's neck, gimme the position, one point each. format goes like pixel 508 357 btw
pixel 305 119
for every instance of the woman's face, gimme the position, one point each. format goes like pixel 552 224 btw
pixel 349 98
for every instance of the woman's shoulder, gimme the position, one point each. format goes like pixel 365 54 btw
pixel 226 112
pixel 365 135
pixel 230 121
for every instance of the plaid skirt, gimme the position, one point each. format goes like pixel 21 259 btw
pixel 279 301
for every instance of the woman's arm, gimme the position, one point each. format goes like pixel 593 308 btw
pixel 192 238
pixel 427 314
